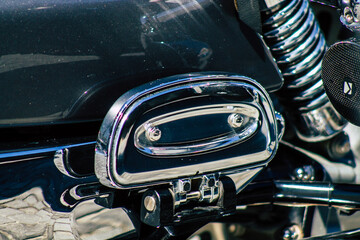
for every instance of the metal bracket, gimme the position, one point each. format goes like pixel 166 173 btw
pixel 209 196
pixel 207 191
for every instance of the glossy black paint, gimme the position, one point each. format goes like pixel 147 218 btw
pixel 19 174
pixel 69 60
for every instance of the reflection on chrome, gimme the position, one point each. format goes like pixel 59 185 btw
pixel 90 221
pixel 28 216
pixel 145 104
pixel 194 145
pixel 295 40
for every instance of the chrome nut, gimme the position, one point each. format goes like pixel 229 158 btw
pixel 153 134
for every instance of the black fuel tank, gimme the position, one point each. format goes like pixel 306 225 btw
pixel 69 60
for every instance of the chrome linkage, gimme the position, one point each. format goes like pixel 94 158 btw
pixel 208 190
pixel 189 199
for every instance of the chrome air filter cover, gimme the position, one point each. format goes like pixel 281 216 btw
pixel 185 126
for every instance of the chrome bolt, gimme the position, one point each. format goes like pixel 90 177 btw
pixel 348 15
pixel 150 203
pixel 339 146
pixel 305 173
pixel 293 232
pixel 153 134
pixel 236 230
pixel 184 185
pixel 235 120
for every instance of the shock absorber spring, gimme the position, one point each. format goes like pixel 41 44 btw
pixel 298 46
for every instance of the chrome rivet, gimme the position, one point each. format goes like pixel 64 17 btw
pixel 292 232
pixel 235 120
pixel 150 203
pixel 153 134
pixel 305 173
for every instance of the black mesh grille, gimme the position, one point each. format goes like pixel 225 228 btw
pixel 341 77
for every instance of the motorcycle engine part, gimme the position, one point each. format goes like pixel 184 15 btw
pixel 296 42
pixel 185 126
pixel 341 76
pixel 350 14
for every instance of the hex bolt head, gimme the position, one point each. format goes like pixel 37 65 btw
pixel 235 120
pixel 153 134
pixel 150 203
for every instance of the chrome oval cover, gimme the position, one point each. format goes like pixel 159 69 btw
pixel 166 124
pixel 185 126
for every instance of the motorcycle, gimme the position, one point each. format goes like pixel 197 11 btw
pixel 179 119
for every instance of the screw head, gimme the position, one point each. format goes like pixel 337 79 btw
pixel 152 133
pixel 149 203
pixel 235 120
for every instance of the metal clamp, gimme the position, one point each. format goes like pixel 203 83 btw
pixel 207 191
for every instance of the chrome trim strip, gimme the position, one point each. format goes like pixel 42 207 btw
pixel 39 151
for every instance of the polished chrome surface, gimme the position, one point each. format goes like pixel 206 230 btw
pixel 113 137
pixel 350 14
pixel 43 150
pixel 281 125
pixel 208 191
pixel 150 203
pixel 209 188
pixel 318 124
pixel 59 161
pixel 181 189
pixel 152 133
pixel 304 173
pixel 292 232
pixel 245 116
pixel 235 120
pixel 295 39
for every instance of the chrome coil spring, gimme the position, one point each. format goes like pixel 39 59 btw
pixel 298 46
